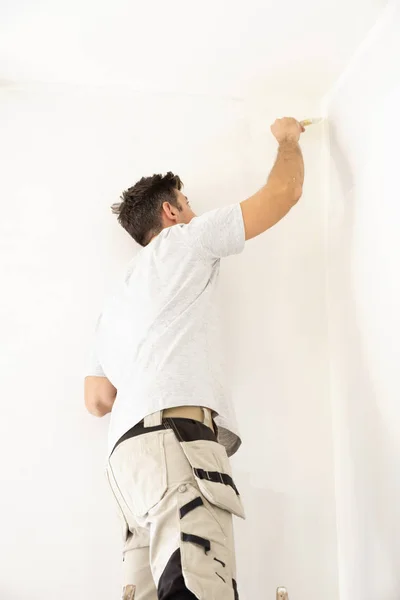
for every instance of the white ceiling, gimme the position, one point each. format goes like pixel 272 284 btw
pixel 208 46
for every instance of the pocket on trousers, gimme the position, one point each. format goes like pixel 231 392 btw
pixel 139 469
pixel 206 553
pixel 213 474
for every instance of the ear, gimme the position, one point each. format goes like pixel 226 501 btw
pixel 170 211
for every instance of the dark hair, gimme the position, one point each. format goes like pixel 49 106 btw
pixel 139 211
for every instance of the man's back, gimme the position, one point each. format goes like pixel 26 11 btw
pixel 158 337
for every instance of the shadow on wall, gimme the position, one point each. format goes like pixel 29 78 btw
pixel 366 469
pixel 265 522
pixel 289 528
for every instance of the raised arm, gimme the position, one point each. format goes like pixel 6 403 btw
pixel 285 182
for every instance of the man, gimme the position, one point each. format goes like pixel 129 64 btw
pixel 157 370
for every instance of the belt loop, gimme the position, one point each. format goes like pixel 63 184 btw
pixel 208 418
pixel 153 420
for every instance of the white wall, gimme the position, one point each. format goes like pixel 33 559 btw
pixel 66 154
pixel 364 299
pixel 277 318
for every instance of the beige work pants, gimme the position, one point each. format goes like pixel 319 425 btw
pixel 174 492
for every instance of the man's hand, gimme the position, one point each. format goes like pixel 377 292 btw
pixel 287 129
pixel 99 395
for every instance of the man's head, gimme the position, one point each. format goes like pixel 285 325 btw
pixel 151 205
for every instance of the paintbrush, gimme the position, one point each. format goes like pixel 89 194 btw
pixel 308 122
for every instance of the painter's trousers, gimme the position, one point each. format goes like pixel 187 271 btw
pixel 175 496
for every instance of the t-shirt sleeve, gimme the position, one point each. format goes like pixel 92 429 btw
pixel 218 233
pixel 94 368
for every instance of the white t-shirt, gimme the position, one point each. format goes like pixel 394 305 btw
pixel 157 339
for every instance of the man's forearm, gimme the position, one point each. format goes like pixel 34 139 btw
pixel 285 183
pixel 287 174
